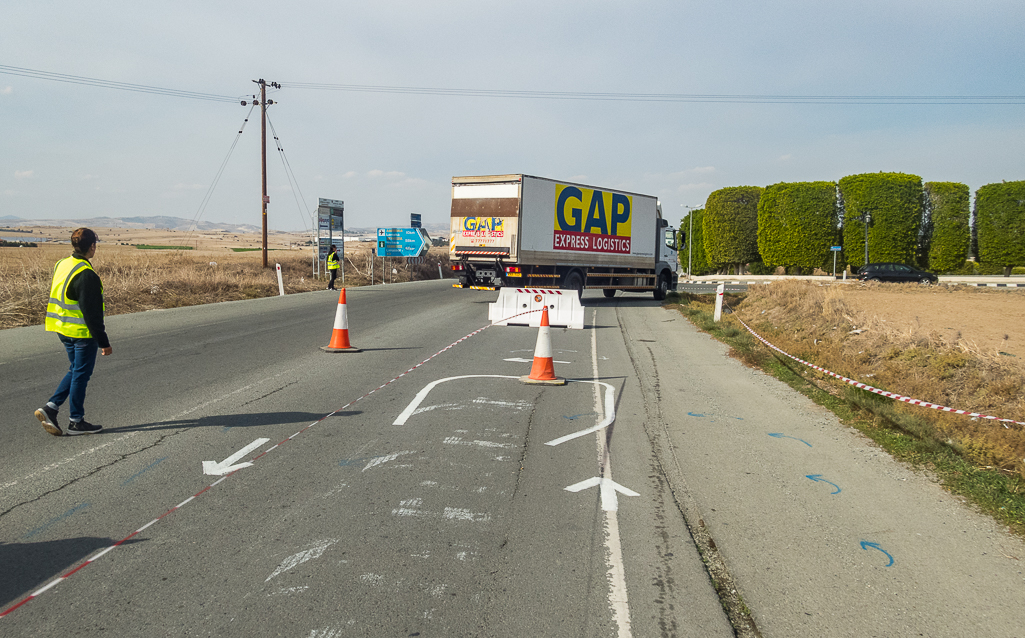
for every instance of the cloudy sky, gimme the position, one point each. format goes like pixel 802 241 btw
pixel 75 151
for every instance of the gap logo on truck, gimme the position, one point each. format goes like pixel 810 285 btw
pixel 592 220
pixel 483 227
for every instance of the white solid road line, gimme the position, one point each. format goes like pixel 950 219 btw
pixel 618 599
pixel 422 394
pixel 610 412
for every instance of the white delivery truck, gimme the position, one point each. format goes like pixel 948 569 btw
pixel 531 232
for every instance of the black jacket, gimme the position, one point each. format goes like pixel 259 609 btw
pixel 86 289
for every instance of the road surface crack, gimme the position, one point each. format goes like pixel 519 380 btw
pixel 95 470
pixel 665 455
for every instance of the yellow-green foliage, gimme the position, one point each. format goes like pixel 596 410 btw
pixel 894 204
pixel 797 224
pixel 730 225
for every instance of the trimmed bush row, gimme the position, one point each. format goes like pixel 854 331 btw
pixel 793 225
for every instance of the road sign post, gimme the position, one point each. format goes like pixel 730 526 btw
pixel 835 250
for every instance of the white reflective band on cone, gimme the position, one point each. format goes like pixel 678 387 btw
pixel 341 318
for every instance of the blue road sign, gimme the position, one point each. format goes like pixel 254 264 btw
pixel 835 249
pixel 414 220
pixel 402 242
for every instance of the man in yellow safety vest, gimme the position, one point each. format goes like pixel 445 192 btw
pixel 332 267
pixel 75 313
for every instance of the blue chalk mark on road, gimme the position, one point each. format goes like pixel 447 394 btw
pixel 144 470
pixel 818 479
pixel 577 416
pixel 784 436
pixel 55 520
pixel 866 545
pixel 697 414
pixel 347 462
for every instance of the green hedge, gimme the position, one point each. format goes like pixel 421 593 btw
pixel 948 231
pixel 797 224
pixel 895 202
pixel 1000 223
pixel 699 262
pixel 731 226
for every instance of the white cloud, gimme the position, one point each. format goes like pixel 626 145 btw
pixel 7 90
pixel 389 174
pixel 685 188
pixel 349 174
pixel 703 169
pixel 784 158
pixel 20 175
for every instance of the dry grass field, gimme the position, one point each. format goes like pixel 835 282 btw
pixel 956 346
pixel 137 279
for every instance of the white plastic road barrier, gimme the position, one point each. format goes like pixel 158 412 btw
pixel 718 301
pixel 515 305
pixel 281 284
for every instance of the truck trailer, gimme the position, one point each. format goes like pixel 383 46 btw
pixel 532 232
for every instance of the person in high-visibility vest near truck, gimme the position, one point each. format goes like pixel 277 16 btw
pixel 75 313
pixel 332 267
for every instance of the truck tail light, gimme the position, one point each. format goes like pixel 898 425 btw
pixel 457 266
pixel 512 269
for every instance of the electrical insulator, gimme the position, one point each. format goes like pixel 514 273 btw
pixel 269 102
pixel 243 103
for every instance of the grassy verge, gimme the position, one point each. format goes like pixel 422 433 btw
pixel 906 436
pixel 135 281
pixel 149 247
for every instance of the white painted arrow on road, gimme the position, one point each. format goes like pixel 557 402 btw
pixel 609 501
pixel 225 466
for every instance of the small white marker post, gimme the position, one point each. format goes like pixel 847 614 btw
pixel 719 290
pixel 440 276
pixel 281 284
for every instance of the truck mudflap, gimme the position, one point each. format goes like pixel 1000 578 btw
pixel 522 307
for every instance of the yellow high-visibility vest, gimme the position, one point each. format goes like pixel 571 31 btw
pixel 332 261
pixel 63 315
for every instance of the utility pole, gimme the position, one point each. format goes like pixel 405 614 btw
pixel 264 103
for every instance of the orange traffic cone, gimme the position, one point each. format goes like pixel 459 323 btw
pixel 340 336
pixel 543 370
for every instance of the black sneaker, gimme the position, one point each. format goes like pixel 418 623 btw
pixel 83 427
pixel 48 417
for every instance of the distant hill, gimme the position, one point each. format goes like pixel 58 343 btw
pixel 181 224
pixel 164 222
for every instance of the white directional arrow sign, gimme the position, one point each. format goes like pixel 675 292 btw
pixel 225 466
pixel 609 501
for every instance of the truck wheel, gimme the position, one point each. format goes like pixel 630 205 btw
pixel 609 292
pixel 661 288
pixel 574 282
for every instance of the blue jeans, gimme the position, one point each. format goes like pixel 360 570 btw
pixel 82 355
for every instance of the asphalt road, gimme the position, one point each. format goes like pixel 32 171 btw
pixel 455 522
pixel 380 503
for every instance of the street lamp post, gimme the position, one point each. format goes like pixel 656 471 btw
pixel 690 236
pixel 866 218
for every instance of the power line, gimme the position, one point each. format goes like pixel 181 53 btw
pixel 667 97
pixel 109 84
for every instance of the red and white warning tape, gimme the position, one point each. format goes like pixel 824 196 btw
pixel 63 577
pixel 890 395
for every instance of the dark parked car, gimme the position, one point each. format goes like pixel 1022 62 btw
pixel 895 272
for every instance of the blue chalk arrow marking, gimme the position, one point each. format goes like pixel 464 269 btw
pixel 818 478
pixel 784 436
pixel 866 545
